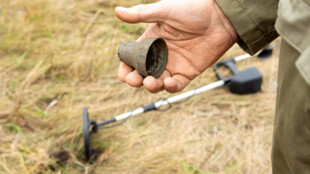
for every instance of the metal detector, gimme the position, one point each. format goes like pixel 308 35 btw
pixel 241 82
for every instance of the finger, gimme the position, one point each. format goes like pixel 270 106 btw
pixel 149 13
pixel 151 31
pixel 165 74
pixel 170 84
pixel 123 71
pixel 134 79
pixel 153 85
pixel 176 83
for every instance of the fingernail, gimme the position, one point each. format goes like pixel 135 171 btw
pixel 120 8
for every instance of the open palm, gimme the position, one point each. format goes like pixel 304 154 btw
pixel 197 34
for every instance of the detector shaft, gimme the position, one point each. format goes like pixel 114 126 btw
pixel 164 102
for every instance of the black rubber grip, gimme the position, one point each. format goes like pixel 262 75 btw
pixel 149 107
pixel 225 63
pixel 107 122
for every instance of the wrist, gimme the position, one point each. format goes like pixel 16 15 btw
pixel 226 23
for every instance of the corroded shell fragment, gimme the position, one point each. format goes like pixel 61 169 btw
pixel 149 56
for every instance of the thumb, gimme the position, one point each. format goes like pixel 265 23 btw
pixel 148 13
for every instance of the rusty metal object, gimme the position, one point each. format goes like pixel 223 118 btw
pixel 149 56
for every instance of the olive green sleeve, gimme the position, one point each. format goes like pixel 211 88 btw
pixel 253 20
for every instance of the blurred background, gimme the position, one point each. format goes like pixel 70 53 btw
pixel 58 57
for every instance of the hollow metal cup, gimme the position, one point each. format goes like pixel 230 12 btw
pixel 149 57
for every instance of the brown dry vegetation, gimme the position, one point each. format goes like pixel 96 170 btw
pixel 58 57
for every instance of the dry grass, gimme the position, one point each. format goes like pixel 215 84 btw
pixel 57 57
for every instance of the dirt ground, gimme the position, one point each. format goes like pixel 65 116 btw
pixel 58 57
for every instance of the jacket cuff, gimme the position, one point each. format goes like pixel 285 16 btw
pixel 253 20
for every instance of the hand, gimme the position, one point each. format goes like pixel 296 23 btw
pixel 197 34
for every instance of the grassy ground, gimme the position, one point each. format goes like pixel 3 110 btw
pixel 58 57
